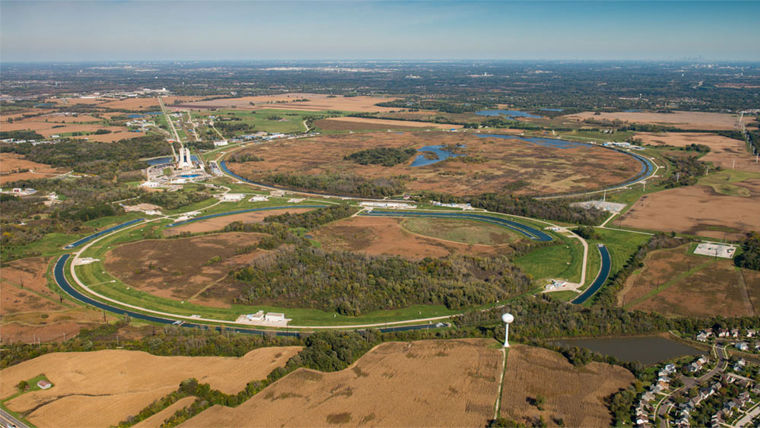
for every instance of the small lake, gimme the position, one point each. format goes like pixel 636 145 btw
pixel 550 109
pixel 509 113
pixel 646 350
pixel 440 154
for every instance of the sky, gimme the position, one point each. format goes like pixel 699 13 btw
pixel 128 30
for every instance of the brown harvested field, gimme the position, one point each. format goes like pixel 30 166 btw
pixel 11 164
pixel 31 311
pixel 724 152
pixel 181 268
pixel 679 119
pixel 361 123
pixel 752 282
pixel 156 420
pixel 104 387
pixel 695 286
pixel 697 210
pixel 218 223
pixel 498 164
pixel 316 102
pixel 385 236
pixel 48 129
pixel 425 383
pixel 575 394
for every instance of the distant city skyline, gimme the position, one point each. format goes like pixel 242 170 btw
pixel 124 30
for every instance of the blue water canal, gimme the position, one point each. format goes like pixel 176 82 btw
pixel 102 232
pixel 604 273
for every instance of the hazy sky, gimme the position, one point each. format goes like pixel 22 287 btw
pixel 228 30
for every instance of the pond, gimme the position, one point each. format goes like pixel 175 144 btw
pixel 433 154
pixel 646 349
pixel 509 113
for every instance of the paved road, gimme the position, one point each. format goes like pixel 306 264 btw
pixel 9 421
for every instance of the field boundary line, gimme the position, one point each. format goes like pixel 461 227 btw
pixel 497 405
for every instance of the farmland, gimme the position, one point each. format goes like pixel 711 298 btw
pixel 105 387
pixel 678 119
pixel 390 236
pixel 14 167
pixel 383 387
pixel 574 395
pixel 697 210
pixel 675 282
pixel 488 164
pixel 291 101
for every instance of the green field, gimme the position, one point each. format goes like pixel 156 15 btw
pixel 560 261
pixel 267 120
pixel 724 182
pixel 465 231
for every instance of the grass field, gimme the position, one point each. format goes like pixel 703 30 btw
pixel 268 120
pixel 560 261
pixel 465 231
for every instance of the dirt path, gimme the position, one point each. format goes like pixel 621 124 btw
pixel 745 292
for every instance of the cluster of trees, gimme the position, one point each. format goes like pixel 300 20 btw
pixel 587 232
pixel 385 156
pixel 750 255
pixel 174 200
pixel 353 284
pixel 26 220
pixel 94 157
pixel 554 209
pixel 446 106
pixel 341 184
pixel 313 219
pixel 22 134
pixel 243 157
pixel 235 128
pixel 699 148
pixel 686 171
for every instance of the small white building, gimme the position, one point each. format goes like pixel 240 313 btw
pixel 232 197
pixel 259 198
pixel 220 143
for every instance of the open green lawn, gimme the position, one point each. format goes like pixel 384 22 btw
pixel 267 120
pixel 559 261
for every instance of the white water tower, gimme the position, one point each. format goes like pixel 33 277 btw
pixel 507 318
